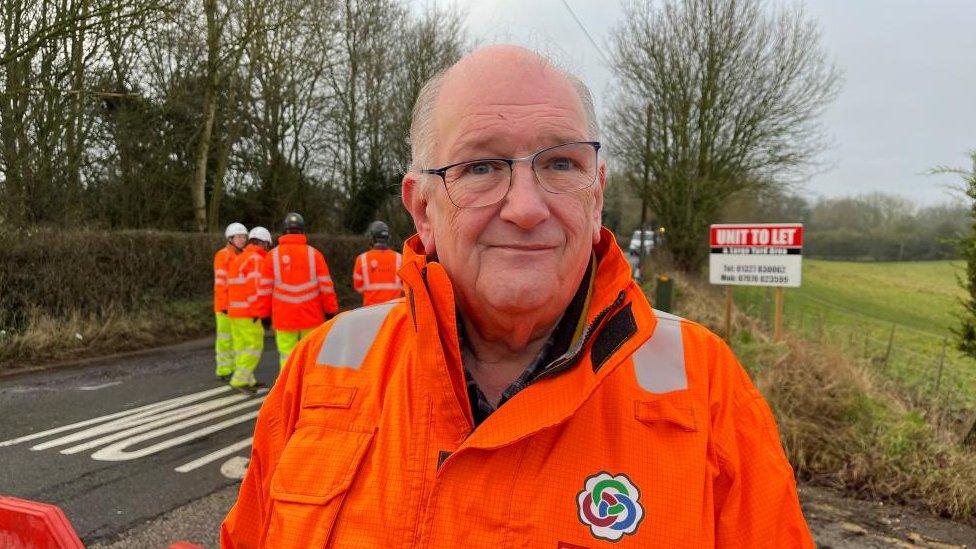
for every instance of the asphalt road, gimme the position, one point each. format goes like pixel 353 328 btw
pixel 121 441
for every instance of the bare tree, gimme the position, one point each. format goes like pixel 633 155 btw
pixel 715 97
pixel 430 43
pixel 288 102
pixel 231 24
pixel 133 113
pixel 49 48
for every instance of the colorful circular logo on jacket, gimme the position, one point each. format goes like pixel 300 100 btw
pixel 610 506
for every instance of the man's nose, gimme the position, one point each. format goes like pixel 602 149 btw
pixel 525 204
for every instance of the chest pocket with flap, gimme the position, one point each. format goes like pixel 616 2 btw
pixel 309 484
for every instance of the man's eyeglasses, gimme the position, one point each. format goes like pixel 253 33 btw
pixel 561 169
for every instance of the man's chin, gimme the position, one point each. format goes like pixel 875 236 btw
pixel 521 299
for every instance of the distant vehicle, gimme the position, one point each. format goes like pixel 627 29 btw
pixel 635 242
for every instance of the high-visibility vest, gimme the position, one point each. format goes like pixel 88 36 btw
pixel 646 432
pixel 221 263
pixel 243 284
pixel 296 279
pixel 375 276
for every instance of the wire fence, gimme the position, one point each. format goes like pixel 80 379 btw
pixel 922 366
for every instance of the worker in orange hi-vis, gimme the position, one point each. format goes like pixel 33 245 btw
pixel 523 392
pixel 236 235
pixel 248 311
pixel 298 286
pixel 375 273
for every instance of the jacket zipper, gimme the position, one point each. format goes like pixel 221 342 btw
pixel 567 360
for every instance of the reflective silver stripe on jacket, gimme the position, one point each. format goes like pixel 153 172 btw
pixel 660 362
pixel 294 298
pixel 352 335
pixel 364 266
pixel 395 285
pixel 382 286
pixel 280 284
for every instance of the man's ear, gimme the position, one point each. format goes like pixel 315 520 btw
pixel 416 202
pixel 598 202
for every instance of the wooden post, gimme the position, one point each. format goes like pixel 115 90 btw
pixel 968 437
pixel 891 341
pixel 766 306
pixel 938 382
pixel 728 313
pixel 778 313
pixel 938 377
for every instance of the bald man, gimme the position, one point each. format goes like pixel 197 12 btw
pixel 523 393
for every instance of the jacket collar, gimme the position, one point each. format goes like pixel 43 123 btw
pixel 292 239
pixel 255 249
pixel 431 300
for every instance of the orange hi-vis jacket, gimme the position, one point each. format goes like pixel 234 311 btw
pixel 296 282
pixel 375 276
pixel 244 292
pixel 646 433
pixel 221 264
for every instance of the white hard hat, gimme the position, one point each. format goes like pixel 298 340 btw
pixel 260 233
pixel 234 229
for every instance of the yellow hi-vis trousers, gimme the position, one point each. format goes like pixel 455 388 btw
pixel 286 341
pixel 248 344
pixel 224 346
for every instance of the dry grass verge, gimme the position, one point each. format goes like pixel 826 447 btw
pixel 76 335
pixel 840 424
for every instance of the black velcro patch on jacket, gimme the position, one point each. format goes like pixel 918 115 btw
pixel 618 329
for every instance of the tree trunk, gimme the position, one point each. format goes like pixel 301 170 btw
pixel 199 184
pixel 223 157
pixel 75 138
pixel 12 118
pixel 198 187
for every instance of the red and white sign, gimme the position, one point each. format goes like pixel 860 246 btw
pixel 763 254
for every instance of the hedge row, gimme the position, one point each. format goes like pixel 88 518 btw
pixel 876 245
pixel 57 273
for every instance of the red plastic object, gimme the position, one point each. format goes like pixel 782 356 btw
pixel 26 523
pixel 184 545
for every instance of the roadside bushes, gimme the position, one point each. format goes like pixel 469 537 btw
pixel 91 273
pixel 841 424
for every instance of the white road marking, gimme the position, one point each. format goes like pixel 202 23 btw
pixel 214 456
pixel 136 419
pixel 149 408
pixel 117 452
pixel 97 387
pixel 157 427
pixel 130 428
pixel 235 467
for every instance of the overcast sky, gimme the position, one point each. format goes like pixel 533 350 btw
pixel 908 101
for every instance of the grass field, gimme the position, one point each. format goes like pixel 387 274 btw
pixel 855 306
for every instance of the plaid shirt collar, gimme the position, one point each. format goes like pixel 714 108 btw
pixel 557 344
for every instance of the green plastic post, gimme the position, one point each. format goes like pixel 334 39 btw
pixel 663 293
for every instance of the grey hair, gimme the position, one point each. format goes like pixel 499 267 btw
pixel 422 142
pixel 422 138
